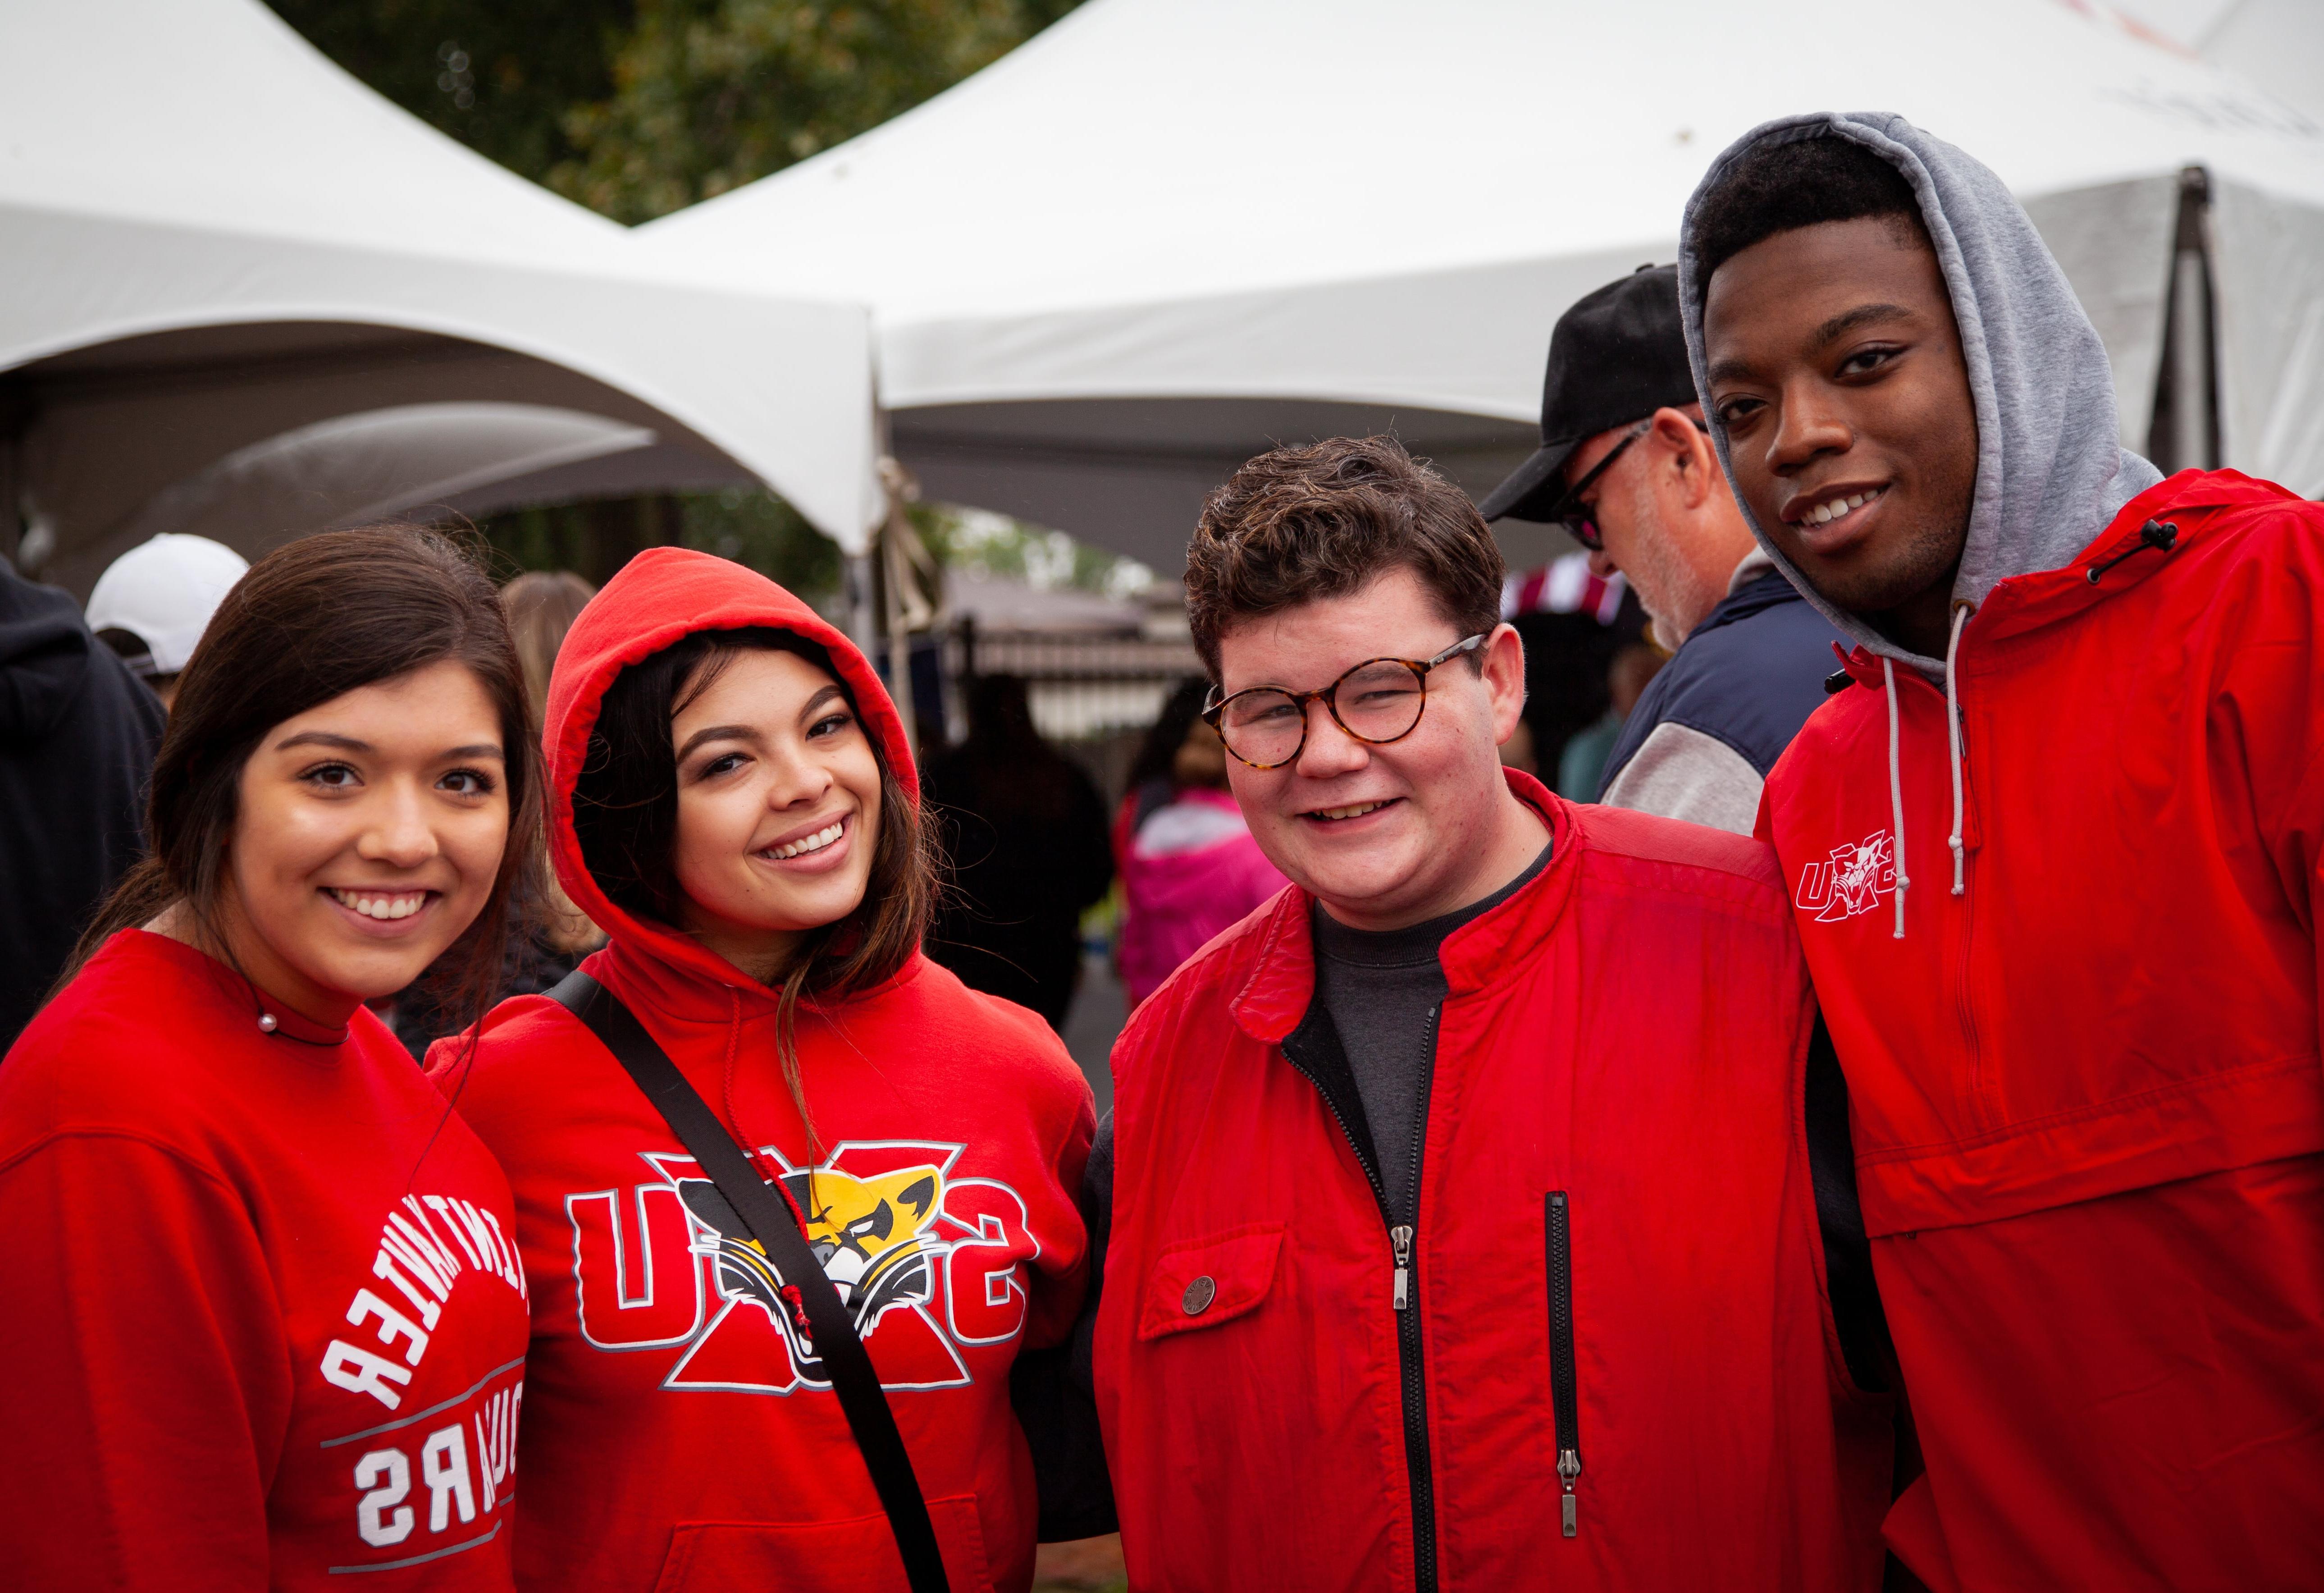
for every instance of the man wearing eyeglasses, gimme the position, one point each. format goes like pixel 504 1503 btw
pixel 1457 1225
pixel 1626 468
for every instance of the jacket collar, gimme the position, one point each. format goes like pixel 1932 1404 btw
pixel 1494 946
pixel 1749 568
pixel 2026 602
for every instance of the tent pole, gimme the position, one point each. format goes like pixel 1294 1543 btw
pixel 856 578
pixel 891 621
pixel 2185 432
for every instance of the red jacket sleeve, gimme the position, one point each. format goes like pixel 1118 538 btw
pixel 148 1391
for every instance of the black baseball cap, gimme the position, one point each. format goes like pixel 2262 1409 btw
pixel 1617 357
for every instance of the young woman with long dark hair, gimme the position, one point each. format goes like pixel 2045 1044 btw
pixel 732 799
pixel 266 1325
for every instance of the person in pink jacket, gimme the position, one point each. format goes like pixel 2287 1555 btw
pixel 1189 867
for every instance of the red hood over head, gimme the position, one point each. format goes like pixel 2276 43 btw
pixel 659 597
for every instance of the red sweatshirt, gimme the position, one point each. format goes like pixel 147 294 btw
pixel 2086 1100
pixel 266 1322
pixel 670 1441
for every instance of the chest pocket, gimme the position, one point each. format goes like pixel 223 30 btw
pixel 1201 1282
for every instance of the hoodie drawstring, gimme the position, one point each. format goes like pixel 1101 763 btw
pixel 1962 612
pixel 1896 770
pixel 1896 791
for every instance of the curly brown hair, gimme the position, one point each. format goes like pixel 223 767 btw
pixel 1298 525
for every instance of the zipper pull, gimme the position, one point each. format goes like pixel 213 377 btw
pixel 1569 1468
pixel 1401 1237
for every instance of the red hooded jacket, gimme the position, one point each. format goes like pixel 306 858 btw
pixel 669 1442
pixel 2087 1109
pixel 265 1325
pixel 1623 1044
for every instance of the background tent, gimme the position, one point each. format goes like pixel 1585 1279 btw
pixel 2278 44
pixel 247 295
pixel 1163 232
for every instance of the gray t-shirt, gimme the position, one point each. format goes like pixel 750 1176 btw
pixel 1383 988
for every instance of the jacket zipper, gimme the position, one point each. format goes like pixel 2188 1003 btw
pixel 1986 1109
pixel 1418 1476
pixel 1565 1398
pixel 1420 1472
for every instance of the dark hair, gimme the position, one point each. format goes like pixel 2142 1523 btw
pixel 1295 524
pixel 1158 753
pixel 1782 187
pixel 625 816
pixel 1001 715
pixel 321 617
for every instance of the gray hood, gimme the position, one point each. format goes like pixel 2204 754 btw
pixel 2052 472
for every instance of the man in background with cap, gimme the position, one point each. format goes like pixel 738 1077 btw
pixel 1626 467
pixel 153 604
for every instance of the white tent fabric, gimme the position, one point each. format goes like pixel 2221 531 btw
pixel 379 464
pixel 211 236
pixel 1165 231
pixel 2278 44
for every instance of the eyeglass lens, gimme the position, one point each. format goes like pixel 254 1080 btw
pixel 1376 701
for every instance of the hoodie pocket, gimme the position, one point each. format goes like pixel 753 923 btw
pixel 1201 1283
pixel 857 1555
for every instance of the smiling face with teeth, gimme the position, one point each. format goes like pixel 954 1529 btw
pixel 778 807
pixel 1385 834
pixel 368 836
pixel 1836 370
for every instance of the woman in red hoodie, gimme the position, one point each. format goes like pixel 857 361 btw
pixel 732 800
pixel 266 1321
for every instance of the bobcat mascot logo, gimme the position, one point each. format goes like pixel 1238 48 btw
pixel 932 1263
pixel 1854 879
pixel 871 1236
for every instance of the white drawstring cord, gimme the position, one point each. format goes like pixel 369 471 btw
pixel 1896 791
pixel 1953 734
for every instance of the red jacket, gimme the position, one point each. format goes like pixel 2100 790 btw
pixel 265 1324
pixel 1627 1033
pixel 669 1443
pixel 2087 1101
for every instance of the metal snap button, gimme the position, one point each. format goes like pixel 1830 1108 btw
pixel 1199 1295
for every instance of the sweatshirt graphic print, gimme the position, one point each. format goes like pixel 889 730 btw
pixel 278 1322
pixel 926 1264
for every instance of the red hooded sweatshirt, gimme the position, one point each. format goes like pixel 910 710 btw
pixel 2083 1063
pixel 670 1441
pixel 265 1321
pixel 1294 1397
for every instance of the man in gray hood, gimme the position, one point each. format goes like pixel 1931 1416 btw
pixel 2081 1032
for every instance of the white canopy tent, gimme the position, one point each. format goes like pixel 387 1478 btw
pixel 228 264
pixel 1164 232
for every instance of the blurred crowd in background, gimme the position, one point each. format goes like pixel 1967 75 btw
pixel 1086 867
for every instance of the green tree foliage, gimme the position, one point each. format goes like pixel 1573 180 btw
pixel 501 76
pixel 754 529
pixel 712 93
pixel 640 107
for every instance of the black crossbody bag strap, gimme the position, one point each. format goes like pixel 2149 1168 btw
pixel 770 1220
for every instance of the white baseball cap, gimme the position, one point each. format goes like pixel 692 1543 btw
pixel 163 592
